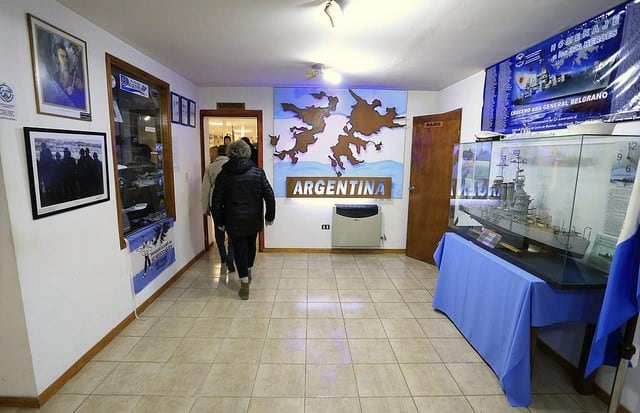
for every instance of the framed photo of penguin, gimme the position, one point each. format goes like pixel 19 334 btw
pixel 67 169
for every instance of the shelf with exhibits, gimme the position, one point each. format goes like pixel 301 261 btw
pixel 553 206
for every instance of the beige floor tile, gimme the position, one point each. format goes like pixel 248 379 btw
pixel 267 295
pixel 59 403
pixel 289 310
pixel 117 349
pixel 425 310
pixel 326 328
pixel 324 310
pixel 175 291
pixel 407 284
pixel 371 350
pixel 171 327
pixel 430 379
pixel 414 350
pixel 240 350
pixel 330 380
pixel 129 378
pixel 248 328
pixel 292 284
pixel 280 380
pixel 156 349
pixel 196 350
pixel 455 350
pixel 439 328
pixel 372 273
pixel 287 328
pixel 493 404
pixel 354 296
pixel 364 328
pixel 388 405
pixel 87 379
pixel 443 404
pixel 210 328
pixel 324 283
pixel 400 273
pixel 164 404
pixel 358 310
pixel 220 404
pixel 554 401
pixel 177 379
pixel 291 272
pixel 385 296
pixel 253 309
pixel 282 351
pixel 347 271
pixel 139 326
pixel 416 296
pixel 220 309
pixel 197 294
pixel 229 380
pixel 108 404
pixel 157 309
pixel 393 310
pixel 380 380
pixel 280 405
pixel 350 284
pixel 379 283
pixel 402 328
pixel 323 296
pixel 475 378
pixel 327 351
pixel 293 295
pixel 332 405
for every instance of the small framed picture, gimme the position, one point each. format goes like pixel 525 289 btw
pixel 67 169
pixel 192 113
pixel 175 108
pixel 60 74
pixel 184 111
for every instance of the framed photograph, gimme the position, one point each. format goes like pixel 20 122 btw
pixel 184 111
pixel 60 74
pixel 67 169
pixel 192 113
pixel 175 108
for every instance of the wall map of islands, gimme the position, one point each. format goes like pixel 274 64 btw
pixel 338 132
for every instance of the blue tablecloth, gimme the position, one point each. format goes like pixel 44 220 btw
pixel 494 304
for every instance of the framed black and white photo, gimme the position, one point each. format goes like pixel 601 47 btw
pixel 175 108
pixel 60 74
pixel 67 169
pixel 192 113
pixel 184 111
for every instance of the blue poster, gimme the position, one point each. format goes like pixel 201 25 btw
pixel 152 251
pixel 322 132
pixel 583 73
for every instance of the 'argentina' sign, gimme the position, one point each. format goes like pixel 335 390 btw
pixel 332 187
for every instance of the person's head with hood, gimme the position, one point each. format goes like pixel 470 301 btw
pixel 238 149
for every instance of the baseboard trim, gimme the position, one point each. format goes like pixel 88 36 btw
pixel 335 250
pixel 599 392
pixel 36 402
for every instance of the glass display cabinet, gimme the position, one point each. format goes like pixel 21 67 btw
pixel 142 146
pixel 551 205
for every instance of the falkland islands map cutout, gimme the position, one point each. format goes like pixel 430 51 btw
pixel 340 133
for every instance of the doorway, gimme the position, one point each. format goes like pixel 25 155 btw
pixel 214 126
pixel 430 183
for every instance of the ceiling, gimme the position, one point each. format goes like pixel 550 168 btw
pixel 389 44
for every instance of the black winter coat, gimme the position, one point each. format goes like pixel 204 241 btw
pixel 240 193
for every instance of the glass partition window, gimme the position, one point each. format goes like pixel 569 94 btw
pixel 141 145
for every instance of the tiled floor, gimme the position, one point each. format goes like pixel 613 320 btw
pixel 320 333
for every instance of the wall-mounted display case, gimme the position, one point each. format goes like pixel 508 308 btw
pixel 551 205
pixel 141 146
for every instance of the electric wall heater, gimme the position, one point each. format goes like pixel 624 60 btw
pixel 356 226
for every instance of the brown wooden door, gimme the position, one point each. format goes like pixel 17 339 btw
pixel 430 185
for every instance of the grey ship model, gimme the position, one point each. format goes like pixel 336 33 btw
pixel 511 215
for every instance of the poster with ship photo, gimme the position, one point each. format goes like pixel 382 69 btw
pixel 339 133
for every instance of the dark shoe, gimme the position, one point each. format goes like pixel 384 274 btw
pixel 244 291
pixel 230 266
pixel 249 276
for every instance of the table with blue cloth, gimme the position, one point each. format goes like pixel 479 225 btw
pixel 495 304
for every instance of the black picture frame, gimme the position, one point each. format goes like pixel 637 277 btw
pixel 61 176
pixel 60 71
pixel 192 113
pixel 176 112
pixel 184 111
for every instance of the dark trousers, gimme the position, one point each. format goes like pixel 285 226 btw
pixel 245 253
pixel 225 254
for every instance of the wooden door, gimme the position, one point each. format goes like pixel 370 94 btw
pixel 430 187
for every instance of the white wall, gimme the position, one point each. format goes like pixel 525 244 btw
pixel 566 339
pixel 298 220
pixel 70 275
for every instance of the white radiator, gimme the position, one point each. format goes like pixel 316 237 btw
pixel 356 226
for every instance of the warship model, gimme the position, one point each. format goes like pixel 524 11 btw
pixel 509 213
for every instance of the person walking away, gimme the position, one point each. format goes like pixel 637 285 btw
pixel 208 182
pixel 243 201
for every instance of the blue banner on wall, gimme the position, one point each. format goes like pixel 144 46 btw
pixel 152 251
pixel 588 72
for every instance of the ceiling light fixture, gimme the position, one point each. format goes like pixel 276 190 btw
pixel 334 11
pixel 328 74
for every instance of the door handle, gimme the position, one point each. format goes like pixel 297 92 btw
pixel 411 188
